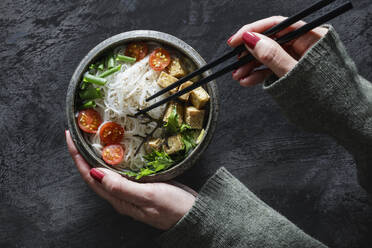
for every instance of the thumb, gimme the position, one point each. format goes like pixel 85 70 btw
pixel 122 188
pixel 269 53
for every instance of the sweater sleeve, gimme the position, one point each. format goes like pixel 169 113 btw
pixel 227 214
pixel 324 93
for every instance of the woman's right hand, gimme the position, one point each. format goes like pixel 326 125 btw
pixel 279 60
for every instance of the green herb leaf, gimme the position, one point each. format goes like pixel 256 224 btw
pixel 144 172
pixel 172 125
pixel 90 93
pixel 184 127
pixel 189 141
pixel 156 161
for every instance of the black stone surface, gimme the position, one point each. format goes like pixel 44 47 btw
pixel 43 201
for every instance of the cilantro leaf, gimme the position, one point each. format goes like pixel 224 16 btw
pixel 155 161
pixel 184 127
pixel 172 125
pixel 189 141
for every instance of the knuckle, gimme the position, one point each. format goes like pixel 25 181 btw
pixel 269 54
pixel 148 195
pixel 279 17
pixel 114 187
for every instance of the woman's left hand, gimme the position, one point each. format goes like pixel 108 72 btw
pixel 160 205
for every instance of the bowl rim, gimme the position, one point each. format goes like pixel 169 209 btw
pixel 114 41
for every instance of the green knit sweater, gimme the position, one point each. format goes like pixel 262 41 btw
pixel 323 93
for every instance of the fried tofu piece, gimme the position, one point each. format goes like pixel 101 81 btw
pixel 174 144
pixel 185 97
pixel 179 110
pixel 199 97
pixel 175 68
pixel 154 144
pixel 194 117
pixel 165 80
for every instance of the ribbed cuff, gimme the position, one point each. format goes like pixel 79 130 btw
pixel 197 213
pixel 227 214
pixel 323 93
pixel 308 61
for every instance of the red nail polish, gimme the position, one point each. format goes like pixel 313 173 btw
pixel 97 175
pixel 229 40
pixel 250 39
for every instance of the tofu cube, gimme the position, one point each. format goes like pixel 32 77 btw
pixel 165 80
pixel 199 97
pixel 174 144
pixel 185 97
pixel 194 117
pixel 179 110
pixel 175 68
pixel 154 144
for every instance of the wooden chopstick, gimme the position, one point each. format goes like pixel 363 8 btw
pixel 246 59
pixel 273 30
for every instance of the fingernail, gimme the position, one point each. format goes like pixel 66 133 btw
pixel 229 40
pixel 250 39
pixel 97 175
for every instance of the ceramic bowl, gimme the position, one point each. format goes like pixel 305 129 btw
pixel 166 40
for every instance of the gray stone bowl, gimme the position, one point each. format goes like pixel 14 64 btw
pixel 120 39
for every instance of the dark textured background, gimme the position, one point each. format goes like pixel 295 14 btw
pixel 43 201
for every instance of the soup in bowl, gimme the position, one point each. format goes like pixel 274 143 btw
pixel 113 82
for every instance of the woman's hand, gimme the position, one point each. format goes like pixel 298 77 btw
pixel 160 205
pixel 279 60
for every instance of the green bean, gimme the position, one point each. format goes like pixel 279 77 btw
pixel 88 104
pixel 124 58
pixel 109 72
pixel 94 80
pixel 90 93
pixel 110 62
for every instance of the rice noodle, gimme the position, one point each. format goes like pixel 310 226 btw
pixel 124 93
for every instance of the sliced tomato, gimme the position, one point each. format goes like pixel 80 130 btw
pixel 159 59
pixel 136 50
pixel 89 120
pixel 113 154
pixel 111 133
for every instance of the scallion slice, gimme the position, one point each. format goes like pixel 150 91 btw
pixel 124 58
pixel 109 72
pixel 94 80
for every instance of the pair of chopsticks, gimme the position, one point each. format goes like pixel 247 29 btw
pixel 248 58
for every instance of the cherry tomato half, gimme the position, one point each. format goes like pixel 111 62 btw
pixel 89 120
pixel 111 133
pixel 136 50
pixel 159 59
pixel 113 154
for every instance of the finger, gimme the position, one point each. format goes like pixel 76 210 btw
pixel 81 164
pixel 255 78
pixel 269 53
pixel 258 27
pixel 244 70
pixel 242 54
pixel 291 28
pixel 84 169
pixel 122 188
pixel 304 42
